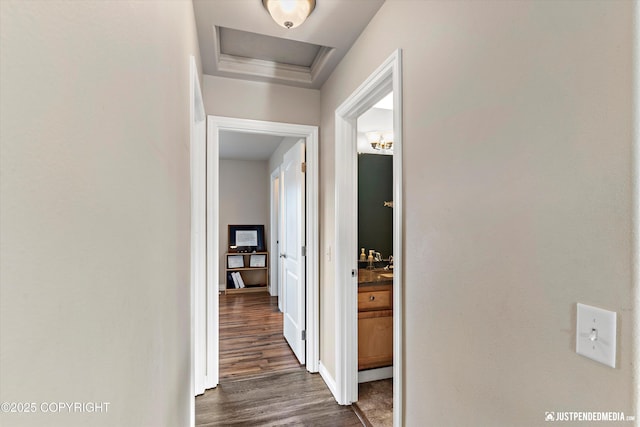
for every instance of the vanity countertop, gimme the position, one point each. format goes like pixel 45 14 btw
pixel 378 276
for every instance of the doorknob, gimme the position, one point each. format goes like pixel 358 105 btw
pixel 283 255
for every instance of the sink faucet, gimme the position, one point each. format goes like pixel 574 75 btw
pixel 390 266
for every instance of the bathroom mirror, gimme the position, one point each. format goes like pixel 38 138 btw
pixel 375 187
pixel 375 180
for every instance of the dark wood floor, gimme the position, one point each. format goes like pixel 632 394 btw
pixel 261 381
pixel 251 341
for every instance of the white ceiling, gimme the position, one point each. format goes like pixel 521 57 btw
pixel 247 146
pixel 378 118
pixel 333 27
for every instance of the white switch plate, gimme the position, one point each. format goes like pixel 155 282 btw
pixel 596 334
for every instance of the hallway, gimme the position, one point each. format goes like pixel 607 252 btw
pixel 261 382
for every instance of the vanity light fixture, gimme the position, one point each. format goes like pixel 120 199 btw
pixel 380 140
pixel 289 13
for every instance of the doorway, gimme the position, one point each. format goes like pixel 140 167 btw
pixel 216 125
pixel 387 78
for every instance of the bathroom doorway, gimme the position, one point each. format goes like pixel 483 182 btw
pixel 385 80
pixel 375 264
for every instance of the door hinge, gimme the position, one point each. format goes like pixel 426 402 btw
pixel 304 335
pixel 304 251
pixel 303 166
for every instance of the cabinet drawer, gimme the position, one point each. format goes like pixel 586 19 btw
pixel 375 300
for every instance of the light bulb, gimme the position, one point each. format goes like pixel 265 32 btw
pixel 289 13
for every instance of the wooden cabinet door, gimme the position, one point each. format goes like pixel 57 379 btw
pixel 375 339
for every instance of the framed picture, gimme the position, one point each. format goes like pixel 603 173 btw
pixel 246 238
pixel 235 261
pixel 258 260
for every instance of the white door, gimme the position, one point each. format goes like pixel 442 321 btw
pixel 292 247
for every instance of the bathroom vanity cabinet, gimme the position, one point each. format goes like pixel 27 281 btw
pixel 375 319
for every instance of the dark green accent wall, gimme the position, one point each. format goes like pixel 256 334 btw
pixel 375 186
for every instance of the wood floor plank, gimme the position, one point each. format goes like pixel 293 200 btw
pixel 261 381
pixel 251 341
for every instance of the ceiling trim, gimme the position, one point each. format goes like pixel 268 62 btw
pixel 269 71
pixel 321 61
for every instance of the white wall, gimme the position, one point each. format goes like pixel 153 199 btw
pixel 517 181
pixel 94 212
pixel 260 101
pixel 244 200
pixel 636 206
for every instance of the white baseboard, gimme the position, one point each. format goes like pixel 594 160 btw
pixel 328 380
pixel 375 374
pixel 222 287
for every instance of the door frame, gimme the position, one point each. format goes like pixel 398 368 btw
pixel 216 124
pixel 387 78
pixel 274 232
pixel 197 144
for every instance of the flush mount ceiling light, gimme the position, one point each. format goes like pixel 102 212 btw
pixel 289 13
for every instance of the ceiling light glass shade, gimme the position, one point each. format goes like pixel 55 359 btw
pixel 373 138
pixel 380 140
pixel 387 138
pixel 289 13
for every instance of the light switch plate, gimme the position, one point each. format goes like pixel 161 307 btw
pixel 596 334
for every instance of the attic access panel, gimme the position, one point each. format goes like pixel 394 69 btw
pixel 267 48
